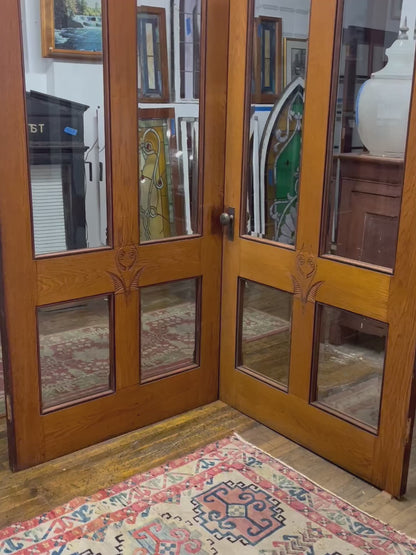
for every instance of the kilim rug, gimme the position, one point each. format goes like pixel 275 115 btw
pixel 227 498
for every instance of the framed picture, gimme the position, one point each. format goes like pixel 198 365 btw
pixel 295 55
pixel 71 29
pixel 396 9
pixel 267 60
pixel 152 55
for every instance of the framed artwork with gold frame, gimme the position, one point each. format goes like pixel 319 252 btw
pixel 295 55
pixel 66 34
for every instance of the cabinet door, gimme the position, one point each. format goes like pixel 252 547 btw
pixel 318 336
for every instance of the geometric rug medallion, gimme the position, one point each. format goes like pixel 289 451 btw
pixel 226 498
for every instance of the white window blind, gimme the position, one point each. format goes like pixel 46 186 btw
pixel 48 208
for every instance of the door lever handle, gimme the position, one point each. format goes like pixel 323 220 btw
pixel 227 221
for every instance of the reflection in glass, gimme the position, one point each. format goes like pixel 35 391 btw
pixel 366 162
pixel 65 122
pixel 169 328
pixel 275 116
pixel 350 364
pixel 75 351
pixel 265 331
pixel 152 55
pixel 169 137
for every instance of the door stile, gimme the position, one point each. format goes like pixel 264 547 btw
pixel 212 145
pixel 318 87
pixel 398 406
pixel 19 268
pixel 314 141
pixel 236 97
pixel 122 95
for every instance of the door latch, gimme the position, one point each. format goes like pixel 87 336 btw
pixel 227 221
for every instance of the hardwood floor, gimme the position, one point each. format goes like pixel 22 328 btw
pixel 31 492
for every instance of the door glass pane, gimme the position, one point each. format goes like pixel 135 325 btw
pixel 350 364
pixel 62 44
pixel 169 328
pixel 264 334
pixel 274 119
pixel 371 99
pixel 169 72
pixel 75 351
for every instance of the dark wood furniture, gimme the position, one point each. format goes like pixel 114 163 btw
pixel 56 136
pixel 370 190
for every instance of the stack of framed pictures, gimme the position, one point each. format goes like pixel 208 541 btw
pixel 169 73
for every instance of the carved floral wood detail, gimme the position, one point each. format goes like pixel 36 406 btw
pixel 305 289
pixel 127 280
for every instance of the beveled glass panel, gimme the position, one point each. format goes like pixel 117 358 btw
pixel 169 328
pixel 274 119
pixel 75 351
pixel 64 78
pixel 350 354
pixel 169 72
pixel 264 334
pixel 373 75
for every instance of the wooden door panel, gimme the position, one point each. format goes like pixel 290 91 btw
pixel 313 276
pixel 304 424
pixel 368 292
pixel 80 275
pixel 124 411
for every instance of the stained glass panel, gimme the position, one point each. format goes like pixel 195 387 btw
pixel 276 115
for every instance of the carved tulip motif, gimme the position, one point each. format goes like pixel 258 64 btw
pixel 304 287
pixel 127 280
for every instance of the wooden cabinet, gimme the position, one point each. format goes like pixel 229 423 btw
pixel 370 190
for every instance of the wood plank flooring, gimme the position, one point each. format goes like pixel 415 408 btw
pixel 31 492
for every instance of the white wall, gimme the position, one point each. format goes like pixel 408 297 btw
pixel 294 13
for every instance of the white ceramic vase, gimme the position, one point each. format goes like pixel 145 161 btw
pixel 383 102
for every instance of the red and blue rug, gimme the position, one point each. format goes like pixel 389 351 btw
pixel 227 498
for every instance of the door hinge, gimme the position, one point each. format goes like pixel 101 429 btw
pixel 9 412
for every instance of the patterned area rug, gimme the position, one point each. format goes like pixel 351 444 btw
pixel 227 498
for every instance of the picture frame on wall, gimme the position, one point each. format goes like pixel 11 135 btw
pixel 267 60
pixel 295 55
pixel 71 30
pixel 152 61
pixel 396 9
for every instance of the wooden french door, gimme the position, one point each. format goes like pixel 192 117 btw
pixel 156 271
pixel 318 327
